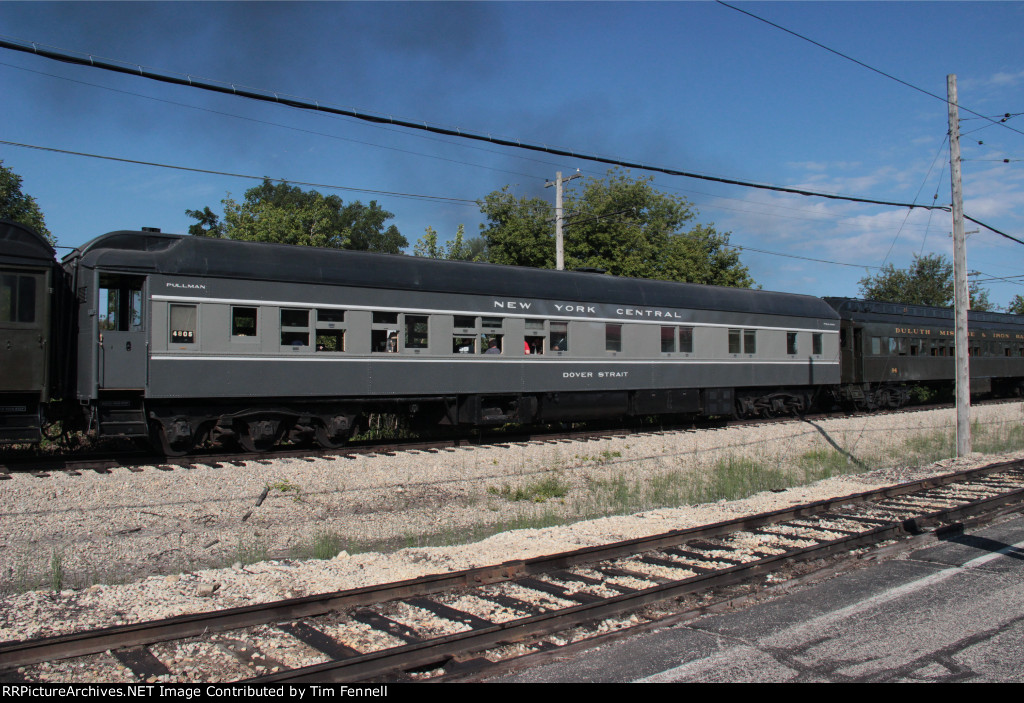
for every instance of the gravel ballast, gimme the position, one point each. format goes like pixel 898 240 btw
pixel 157 536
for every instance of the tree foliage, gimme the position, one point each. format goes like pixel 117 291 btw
pixel 1016 306
pixel 285 214
pixel 458 249
pixel 19 207
pixel 927 281
pixel 619 224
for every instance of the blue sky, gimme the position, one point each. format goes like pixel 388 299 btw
pixel 693 86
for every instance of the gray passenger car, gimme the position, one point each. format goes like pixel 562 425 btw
pixel 193 338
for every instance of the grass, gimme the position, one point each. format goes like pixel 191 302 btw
pixel 539 491
pixel 250 550
pixel 614 488
pixel 286 486
pixel 324 544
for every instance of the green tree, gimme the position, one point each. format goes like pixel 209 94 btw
pixel 286 214
pixel 1016 306
pixel 458 249
pixel 519 231
pixel 619 224
pixel 19 207
pixel 927 281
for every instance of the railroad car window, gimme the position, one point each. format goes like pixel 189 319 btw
pixel 559 336
pixel 330 330
pixel 120 303
pixel 384 334
pixel 492 322
pixel 491 344
pixel 915 347
pixel 686 340
pixel 243 322
pixel 183 324
pixel 294 328
pixel 17 298
pixel 749 341
pixel 330 315
pixel 816 343
pixel 613 338
pixel 734 341
pixel 415 331
pixel 668 339
pixel 8 298
pixel 464 345
pixel 901 346
pixel 294 318
pixel 465 321
pixel 330 340
pixel 791 342
pixel 534 324
pixel 384 340
pixel 876 345
pixel 892 345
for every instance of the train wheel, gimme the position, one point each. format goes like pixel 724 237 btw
pixel 326 441
pixel 258 435
pixel 159 440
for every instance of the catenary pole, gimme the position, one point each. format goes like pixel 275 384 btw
pixel 961 299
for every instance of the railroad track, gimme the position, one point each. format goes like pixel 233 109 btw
pixel 509 609
pixel 105 462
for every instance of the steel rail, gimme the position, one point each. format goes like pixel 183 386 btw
pixel 15 654
pixel 103 462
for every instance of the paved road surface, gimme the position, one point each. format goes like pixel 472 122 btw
pixel 949 612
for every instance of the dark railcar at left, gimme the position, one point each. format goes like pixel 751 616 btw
pixel 29 309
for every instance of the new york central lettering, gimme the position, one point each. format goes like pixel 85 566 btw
pixel 571 308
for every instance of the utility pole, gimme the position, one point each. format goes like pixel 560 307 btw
pixel 559 242
pixel 961 298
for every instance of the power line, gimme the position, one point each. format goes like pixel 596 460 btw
pixel 870 68
pixel 414 196
pixel 293 101
pixel 295 129
pixel 992 229
pixel 804 258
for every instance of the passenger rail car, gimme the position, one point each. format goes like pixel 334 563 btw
pixel 186 339
pixel 888 347
pixel 28 277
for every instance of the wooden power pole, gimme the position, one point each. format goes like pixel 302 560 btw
pixel 961 297
pixel 559 240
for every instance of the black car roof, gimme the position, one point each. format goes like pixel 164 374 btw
pixel 881 311
pixel 180 255
pixel 23 245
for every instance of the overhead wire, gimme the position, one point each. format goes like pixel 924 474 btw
pixel 864 65
pixel 924 182
pixel 285 126
pixel 293 101
pixel 395 194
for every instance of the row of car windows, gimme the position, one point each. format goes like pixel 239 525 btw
pixel 914 346
pixel 391 332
